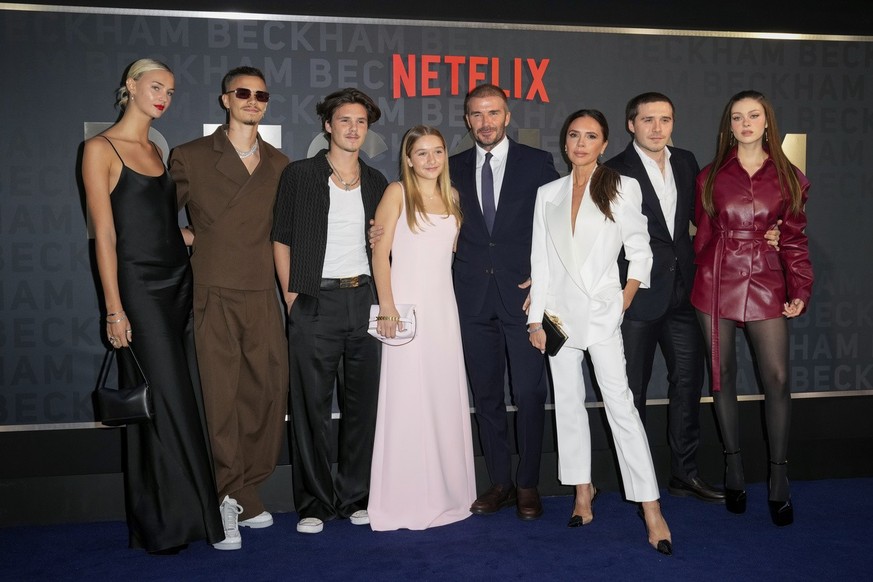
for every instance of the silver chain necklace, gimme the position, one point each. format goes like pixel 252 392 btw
pixel 348 185
pixel 246 154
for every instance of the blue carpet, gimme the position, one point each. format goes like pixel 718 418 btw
pixel 830 540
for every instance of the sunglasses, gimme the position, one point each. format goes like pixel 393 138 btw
pixel 242 93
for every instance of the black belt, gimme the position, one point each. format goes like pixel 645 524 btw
pixel 345 282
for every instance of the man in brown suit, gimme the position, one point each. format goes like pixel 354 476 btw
pixel 229 180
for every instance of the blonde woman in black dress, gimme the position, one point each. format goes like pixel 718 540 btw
pixel 143 265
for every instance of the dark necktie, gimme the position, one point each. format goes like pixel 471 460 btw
pixel 489 210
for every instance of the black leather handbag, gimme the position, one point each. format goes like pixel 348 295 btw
pixel 555 335
pixel 118 407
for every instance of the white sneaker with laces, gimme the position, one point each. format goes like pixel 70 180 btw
pixel 310 525
pixel 263 519
pixel 360 517
pixel 230 511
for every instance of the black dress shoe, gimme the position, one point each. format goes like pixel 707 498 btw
pixel 781 512
pixel 695 487
pixel 528 505
pixel 735 500
pixel 496 498
pixel 576 520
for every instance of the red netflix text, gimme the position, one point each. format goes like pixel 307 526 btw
pixel 423 76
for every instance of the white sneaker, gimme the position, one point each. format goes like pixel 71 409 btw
pixel 310 525
pixel 230 511
pixel 360 517
pixel 263 519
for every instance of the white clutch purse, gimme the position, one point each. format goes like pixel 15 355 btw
pixel 407 322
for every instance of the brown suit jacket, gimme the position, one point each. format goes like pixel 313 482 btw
pixel 230 210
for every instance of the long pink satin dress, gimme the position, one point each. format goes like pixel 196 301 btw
pixel 422 473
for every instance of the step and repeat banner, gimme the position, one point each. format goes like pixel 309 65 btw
pixel 61 67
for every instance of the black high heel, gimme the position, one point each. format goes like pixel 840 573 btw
pixel 663 546
pixel 734 499
pixel 576 520
pixel 781 512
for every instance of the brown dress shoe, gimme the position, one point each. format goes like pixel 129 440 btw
pixel 528 505
pixel 496 498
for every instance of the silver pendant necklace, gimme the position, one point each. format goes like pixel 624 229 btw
pixel 348 185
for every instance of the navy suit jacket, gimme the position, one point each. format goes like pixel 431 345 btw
pixel 505 253
pixel 671 254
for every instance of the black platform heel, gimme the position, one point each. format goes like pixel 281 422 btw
pixel 734 499
pixel 781 512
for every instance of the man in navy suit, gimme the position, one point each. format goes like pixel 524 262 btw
pixel 498 181
pixel 662 315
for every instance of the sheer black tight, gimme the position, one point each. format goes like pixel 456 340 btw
pixel 769 339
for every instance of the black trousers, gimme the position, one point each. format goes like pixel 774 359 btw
pixel 489 338
pixel 678 334
pixel 322 333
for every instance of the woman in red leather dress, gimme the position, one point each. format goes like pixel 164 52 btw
pixel 749 187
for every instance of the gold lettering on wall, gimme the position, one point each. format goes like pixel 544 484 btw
pixel 794 146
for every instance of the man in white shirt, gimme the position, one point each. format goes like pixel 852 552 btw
pixel 323 207
pixel 662 315
pixel 497 181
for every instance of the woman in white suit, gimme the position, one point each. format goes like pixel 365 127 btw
pixel 581 222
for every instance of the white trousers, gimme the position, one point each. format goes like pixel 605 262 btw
pixel 571 419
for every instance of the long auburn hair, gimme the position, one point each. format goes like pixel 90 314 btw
pixel 789 185
pixel 412 195
pixel 604 180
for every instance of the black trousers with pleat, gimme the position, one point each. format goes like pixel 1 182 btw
pixel 323 333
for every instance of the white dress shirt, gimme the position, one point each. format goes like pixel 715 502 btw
pixel 663 183
pixel 498 168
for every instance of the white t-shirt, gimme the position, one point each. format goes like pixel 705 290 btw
pixel 346 253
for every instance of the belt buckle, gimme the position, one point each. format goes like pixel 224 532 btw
pixel 349 282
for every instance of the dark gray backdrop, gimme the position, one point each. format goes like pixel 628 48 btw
pixel 62 67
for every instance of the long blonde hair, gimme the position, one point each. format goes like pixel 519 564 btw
pixel 136 70
pixel 789 185
pixel 412 196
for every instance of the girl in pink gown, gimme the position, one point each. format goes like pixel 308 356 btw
pixel 422 472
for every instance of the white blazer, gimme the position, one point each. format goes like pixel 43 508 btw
pixel 575 276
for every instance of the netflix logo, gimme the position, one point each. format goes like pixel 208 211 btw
pixel 439 75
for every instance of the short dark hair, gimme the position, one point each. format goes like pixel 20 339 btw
pixel 337 99
pixel 241 72
pixel 633 106
pixel 487 90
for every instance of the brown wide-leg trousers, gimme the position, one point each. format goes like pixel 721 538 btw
pixel 243 361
